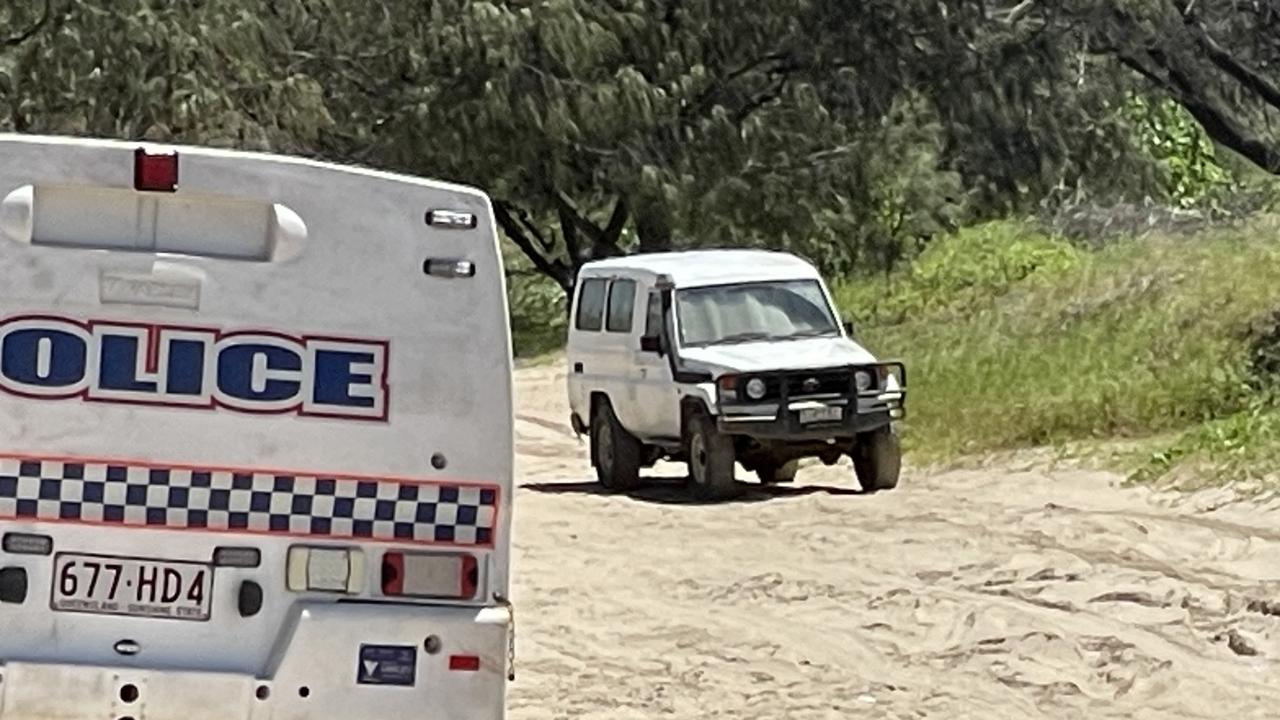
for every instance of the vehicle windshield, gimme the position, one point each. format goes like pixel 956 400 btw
pixel 782 310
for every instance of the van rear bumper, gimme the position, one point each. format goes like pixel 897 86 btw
pixel 317 675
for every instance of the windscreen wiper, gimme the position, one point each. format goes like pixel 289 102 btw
pixel 743 337
pixel 812 332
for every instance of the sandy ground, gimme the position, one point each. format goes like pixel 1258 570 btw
pixel 997 593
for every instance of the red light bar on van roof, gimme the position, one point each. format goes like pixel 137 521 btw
pixel 155 172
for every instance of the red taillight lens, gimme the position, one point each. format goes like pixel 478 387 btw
pixel 430 575
pixel 155 172
pixel 467 663
pixel 393 574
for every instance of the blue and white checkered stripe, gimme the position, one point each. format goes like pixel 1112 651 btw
pixel 249 502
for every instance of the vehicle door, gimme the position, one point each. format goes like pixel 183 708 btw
pixel 584 353
pixel 617 359
pixel 653 385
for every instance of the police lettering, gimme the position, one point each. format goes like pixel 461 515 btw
pixel 48 357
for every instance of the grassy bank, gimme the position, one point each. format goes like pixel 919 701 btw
pixel 1014 338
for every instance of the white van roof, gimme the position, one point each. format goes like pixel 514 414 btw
pixel 694 268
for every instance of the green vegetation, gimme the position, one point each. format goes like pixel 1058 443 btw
pixel 537 308
pixel 1241 449
pixel 1029 341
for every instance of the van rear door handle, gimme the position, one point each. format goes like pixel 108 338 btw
pixel 577 368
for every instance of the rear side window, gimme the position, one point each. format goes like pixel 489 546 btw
pixel 622 304
pixel 590 305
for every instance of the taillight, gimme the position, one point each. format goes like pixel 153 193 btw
pixel 325 569
pixel 430 575
pixel 27 544
pixel 465 663
pixel 243 557
pixel 155 172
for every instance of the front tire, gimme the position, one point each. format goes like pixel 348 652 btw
pixel 614 451
pixel 711 460
pixel 877 459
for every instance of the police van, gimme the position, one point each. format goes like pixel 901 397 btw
pixel 256 458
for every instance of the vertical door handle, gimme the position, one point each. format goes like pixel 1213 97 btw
pixel 577 368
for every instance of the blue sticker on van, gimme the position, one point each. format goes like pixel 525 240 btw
pixel 387 665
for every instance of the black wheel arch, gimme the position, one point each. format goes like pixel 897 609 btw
pixel 690 407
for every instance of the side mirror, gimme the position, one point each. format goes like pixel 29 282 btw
pixel 651 343
pixel 848 327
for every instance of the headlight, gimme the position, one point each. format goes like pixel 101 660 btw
pixel 862 379
pixel 756 388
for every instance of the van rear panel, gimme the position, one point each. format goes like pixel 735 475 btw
pixel 254 451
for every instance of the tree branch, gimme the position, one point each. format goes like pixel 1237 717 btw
pixel 568 228
pixel 617 221
pixel 1016 13
pixel 760 100
pixel 30 32
pixel 1208 110
pixel 1228 63
pixel 548 245
pixel 551 267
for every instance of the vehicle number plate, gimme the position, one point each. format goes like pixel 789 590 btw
pixel 821 414
pixel 131 586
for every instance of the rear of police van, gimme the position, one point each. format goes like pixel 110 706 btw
pixel 256 456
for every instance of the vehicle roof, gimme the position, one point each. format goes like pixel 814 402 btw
pixel 62 142
pixel 693 268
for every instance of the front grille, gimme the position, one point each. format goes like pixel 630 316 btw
pixel 819 383
pixel 801 384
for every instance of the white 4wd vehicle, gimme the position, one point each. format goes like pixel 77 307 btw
pixel 717 356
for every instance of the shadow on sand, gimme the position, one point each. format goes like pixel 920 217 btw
pixel 675 491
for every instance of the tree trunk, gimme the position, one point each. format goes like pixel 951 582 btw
pixel 653 226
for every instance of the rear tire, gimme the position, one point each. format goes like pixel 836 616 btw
pixel 711 460
pixel 771 473
pixel 877 459
pixel 614 451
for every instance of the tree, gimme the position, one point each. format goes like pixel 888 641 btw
pixel 198 72
pixel 607 127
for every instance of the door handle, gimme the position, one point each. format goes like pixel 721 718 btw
pixel 577 368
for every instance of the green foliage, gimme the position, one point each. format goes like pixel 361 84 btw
pixel 958 274
pixel 753 127
pixel 538 319
pixel 850 138
pixel 1191 172
pixel 213 73
pixel 1134 339
pixel 1241 447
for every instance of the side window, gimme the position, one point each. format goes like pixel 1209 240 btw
pixel 653 316
pixel 622 305
pixel 590 305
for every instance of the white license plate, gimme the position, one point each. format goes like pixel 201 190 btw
pixel 822 414
pixel 131 586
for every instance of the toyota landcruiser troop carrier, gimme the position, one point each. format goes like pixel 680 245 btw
pixel 720 356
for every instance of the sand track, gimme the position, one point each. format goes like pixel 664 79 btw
pixel 994 593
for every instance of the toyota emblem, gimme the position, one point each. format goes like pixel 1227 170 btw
pixel 811 384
